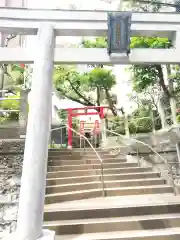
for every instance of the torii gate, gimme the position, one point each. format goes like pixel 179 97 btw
pixel 49 24
pixel 71 115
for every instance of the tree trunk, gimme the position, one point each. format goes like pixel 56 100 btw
pixel 172 99
pixel 80 94
pixel 161 81
pixel 110 102
pixel 1 80
pixel 98 96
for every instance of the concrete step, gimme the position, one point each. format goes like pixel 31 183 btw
pixel 65 157
pixel 57 153
pixel 103 155
pixel 97 171
pixel 80 179
pixel 158 234
pixel 81 154
pixel 57 162
pixel 56 156
pixel 65 150
pixel 90 166
pixel 97 225
pixel 107 184
pixel 94 193
pixel 113 207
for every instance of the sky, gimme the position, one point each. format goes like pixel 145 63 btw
pixel 122 76
pixel 80 4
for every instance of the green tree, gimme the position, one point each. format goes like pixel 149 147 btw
pixel 90 88
pixel 99 42
pixel 149 75
pixel 141 5
pixel 10 104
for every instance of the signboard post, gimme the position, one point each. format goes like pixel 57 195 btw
pixel 119 32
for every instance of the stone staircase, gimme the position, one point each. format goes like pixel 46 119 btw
pixel 138 203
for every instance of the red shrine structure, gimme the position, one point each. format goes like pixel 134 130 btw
pixel 71 114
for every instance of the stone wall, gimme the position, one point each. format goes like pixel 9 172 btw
pixel 11 159
pixel 9 132
pixel 161 142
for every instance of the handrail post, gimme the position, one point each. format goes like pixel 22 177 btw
pixel 103 132
pixel 33 181
pixel 61 136
pixel 138 157
pixel 151 148
pixel 126 125
pixel 98 157
pixel 70 135
pixel 178 151
pixel 102 180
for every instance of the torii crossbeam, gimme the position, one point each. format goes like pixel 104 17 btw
pixel 89 23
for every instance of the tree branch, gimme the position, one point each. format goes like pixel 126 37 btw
pixel 72 98
pixel 111 105
pixel 80 94
pixel 161 81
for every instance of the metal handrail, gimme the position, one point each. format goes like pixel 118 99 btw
pixel 99 158
pixel 143 143
pixel 54 129
pixel 81 135
pixel 169 164
pixel 153 150
pixel 7 98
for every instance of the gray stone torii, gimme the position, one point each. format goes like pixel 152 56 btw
pixel 89 23
pixel 48 24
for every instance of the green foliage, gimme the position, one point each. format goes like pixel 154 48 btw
pixel 102 78
pixel 63 115
pixel 117 124
pixel 136 42
pixel 143 125
pixel 100 42
pixel 150 42
pixel 10 105
pixel 141 112
pixel 178 118
pixel 84 88
pixel 147 75
pixel 140 121
pixel 3 120
pixel 143 75
pixel 18 68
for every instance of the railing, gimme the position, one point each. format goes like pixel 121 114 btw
pixel 10 112
pixel 52 142
pixel 133 125
pixel 128 143
pixel 173 168
pixel 174 171
pixel 97 155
